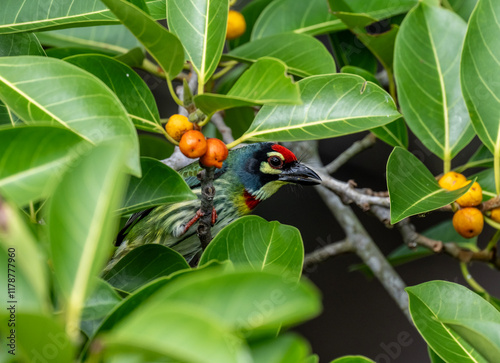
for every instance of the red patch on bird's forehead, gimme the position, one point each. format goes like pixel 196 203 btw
pixel 287 154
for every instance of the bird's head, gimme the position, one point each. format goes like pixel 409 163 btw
pixel 265 167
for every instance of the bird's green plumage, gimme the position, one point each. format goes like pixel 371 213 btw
pixel 240 184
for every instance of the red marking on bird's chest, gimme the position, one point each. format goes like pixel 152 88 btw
pixel 250 200
pixel 287 154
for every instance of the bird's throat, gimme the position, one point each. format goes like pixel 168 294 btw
pixel 250 201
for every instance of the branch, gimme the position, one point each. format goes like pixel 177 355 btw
pixel 206 176
pixel 325 252
pixel 350 152
pixel 226 132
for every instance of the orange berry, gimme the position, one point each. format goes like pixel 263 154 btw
pixel 495 215
pixel 236 25
pixel 473 197
pixel 452 180
pixel 177 125
pixel 468 222
pixel 216 153
pixel 193 144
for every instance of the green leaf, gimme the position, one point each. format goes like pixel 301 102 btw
pixel 412 188
pixel 115 39
pixel 377 9
pixel 41 15
pixel 352 359
pixel 362 73
pixel 72 98
pixel 486 179
pixel 131 90
pixel 249 301
pixel 201 26
pixel 427 71
pixel 23 259
pixel 481 158
pixel 158 185
pixel 480 77
pixel 33 158
pixel 143 265
pixel 176 331
pixel 155 146
pixel 394 133
pixel 265 82
pixel 163 46
pixel 262 245
pixel 288 348
pixel 333 105
pixel 20 44
pixel 463 7
pixel 45 331
pixel 483 336
pixel 99 304
pixel 349 51
pixel 283 16
pixel 61 53
pixel 85 219
pixel 239 119
pixel 434 303
pixel 285 47
pixel 434 357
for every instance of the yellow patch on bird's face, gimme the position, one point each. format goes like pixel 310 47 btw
pixel 269 189
pixel 266 168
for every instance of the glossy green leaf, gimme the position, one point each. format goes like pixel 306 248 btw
pixel 480 76
pixel 260 301
pixel 20 44
pixel 394 133
pixel 412 188
pixel 33 158
pixel 87 220
pixel 377 9
pixel 97 306
pixel 239 119
pixel 283 16
pixel 434 357
pixel 362 73
pixel 293 49
pixel 44 331
pixel 251 13
pixel 159 184
pixel 20 16
pixel 143 265
pixel 352 359
pixel 55 91
pixel 486 178
pixel 61 53
pixel 332 105
pixel 6 116
pixel 131 90
pixel 463 7
pixel 22 259
pixel 176 331
pixel 427 72
pixel 116 39
pixel 276 246
pixel 481 158
pixel 434 303
pixel 201 26
pixel 155 146
pixel 163 46
pixel 265 82
pixel 349 51
pixel 288 348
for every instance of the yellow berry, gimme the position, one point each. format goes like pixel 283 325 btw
pixel 473 197
pixel 468 222
pixel 193 144
pixel 495 215
pixel 236 25
pixel 452 180
pixel 177 125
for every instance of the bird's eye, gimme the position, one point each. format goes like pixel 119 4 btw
pixel 275 162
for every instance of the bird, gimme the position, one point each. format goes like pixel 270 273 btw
pixel 249 175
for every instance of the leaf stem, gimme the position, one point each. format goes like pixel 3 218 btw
pixel 32 213
pixel 496 167
pixel 172 93
pixel 446 164
pixel 470 280
pixel 493 241
pixel 236 142
pixel 227 68
pixel 392 86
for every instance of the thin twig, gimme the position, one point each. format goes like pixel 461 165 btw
pixel 350 152
pixel 226 132
pixel 325 252
pixel 206 177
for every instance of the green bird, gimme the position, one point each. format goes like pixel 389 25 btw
pixel 249 175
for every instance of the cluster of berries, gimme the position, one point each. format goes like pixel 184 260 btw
pixel 193 144
pixel 468 220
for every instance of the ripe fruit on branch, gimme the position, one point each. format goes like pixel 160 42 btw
pixel 495 215
pixel 236 25
pixel 177 125
pixel 216 153
pixel 468 222
pixel 452 180
pixel 193 144
pixel 473 197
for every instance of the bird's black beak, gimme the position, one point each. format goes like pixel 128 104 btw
pixel 299 174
